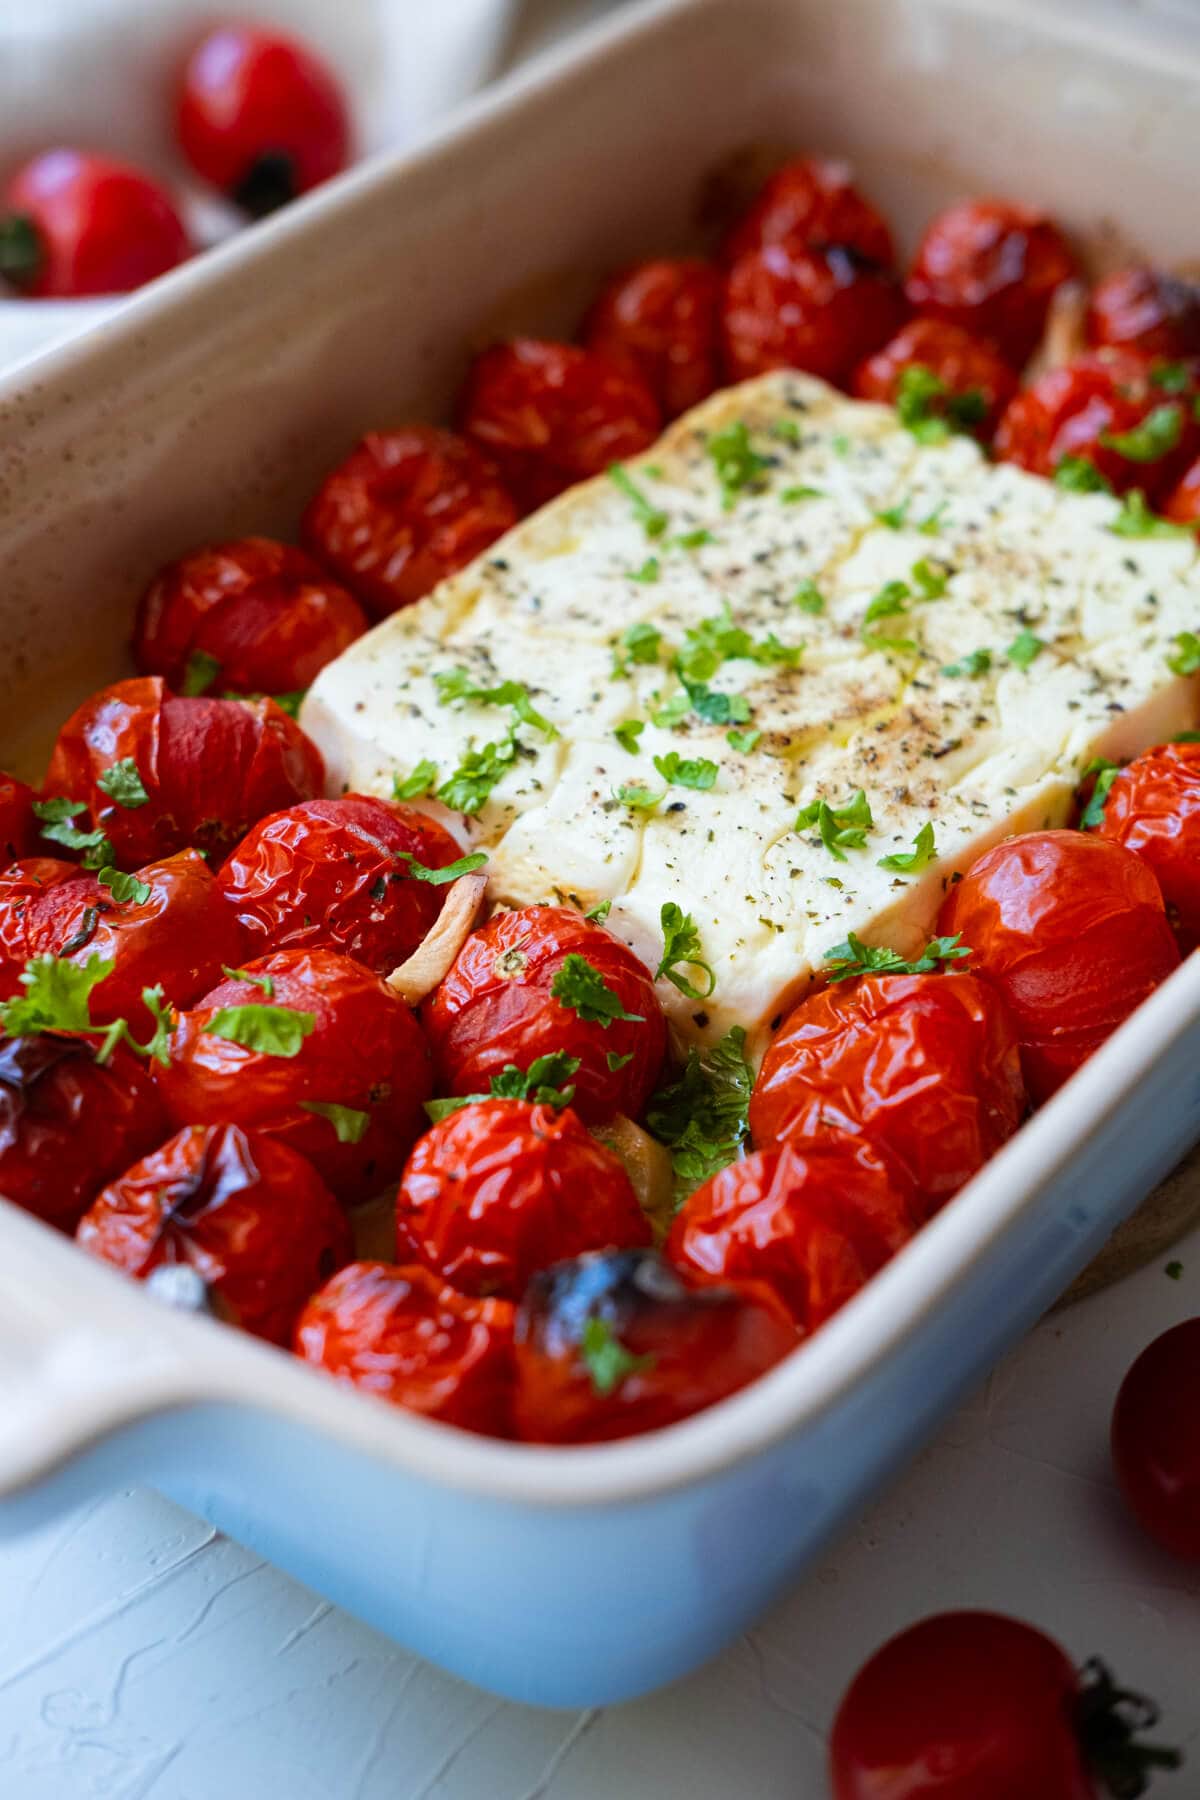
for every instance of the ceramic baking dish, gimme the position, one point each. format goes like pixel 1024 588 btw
pixel 209 408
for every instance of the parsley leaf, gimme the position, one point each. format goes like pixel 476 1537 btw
pixel 272 1030
pixel 693 540
pixel 743 741
pixel 638 797
pixel 456 684
pixel 790 495
pixel 1025 649
pixel 703 1117
pixel 1079 475
pixel 1106 773
pixel 1185 658
pixel 650 571
pixel 841 828
pixel 892 599
pixel 855 958
pixel 1171 377
pixel 715 708
pixel 546 1082
pixel 580 985
pixel 123 783
pixel 911 862
pixel 738 465
pixel 265 982
pixel 464 865
pixel 682 946
pixel 606 1359
pixel 57 997
pixel 57 828
pixel 895 517
pixel 786 430
pixel 1155 437
pixel 808 597
pixel 616 1061
pixel 599 912
pixel 973 665
pixel 628 733
pixel 289 703
pixel 422 781
pixel 929 578
pixel 651 518
pixel 125 887
pixel 349 1124
pixel 641 644
pixel 200 671
pixel 466 788
pixel 699 772
pixel 1135 520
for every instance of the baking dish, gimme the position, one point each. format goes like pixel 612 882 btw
pixel 210 407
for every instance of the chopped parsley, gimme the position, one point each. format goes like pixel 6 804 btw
pixel 349 1124
pixel 628 733
pixel 718 640
pixel 715 708
pixel 791 495
pixel 854 958
pixel 123 783
pixel 200 671
pixel 640 644
pixel 57 997
pixel 1025 649
pixel 1136 520
pixel 579 985
pixel 930 578
pixel 738 464
pixel 56 815
pixel 672 711
pixel 650 571
pixel 973 665
pixel 638 797
pixel 651 518
pixel 599 912
pixel 1079 475
pixel 606 1359
pixel 290 703
pixel 841 828
pixel 616 1061
pixel 466 789
pixel 271 1030
pixel 743 741
pixel 546 1082
pixel 125 887
pixel 1185 658
pixel 681 949
pixel 895 517
pixel 457 684
pixel 808 597
pixel 702 1118
pixel 931 410
pixel 1171 377
pixel 931 524
pixel 892 600
pixel 464 865
pixel 697 772
pixel 1106 773
pixel 693 540
pixel 422 781
pixel 911 862
pixel 265 982
pixel 1174 1270
pixel 786 430
pixel 1155 437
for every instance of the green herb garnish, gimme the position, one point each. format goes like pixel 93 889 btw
pixel 911 862
pixel 464 865
pixel 1079 475
pixel 841 828
pixel 606 1359
pixel 702 1117
pixel 681 949
pixel 579 985
pixel 651 518
pixel 271 1030
pixel 738 465
pixel 1025 649
pixel 349 1124
pixel 676 771
pixel 457 684
pixel 854 958
pixel 123 783
pixel 422 781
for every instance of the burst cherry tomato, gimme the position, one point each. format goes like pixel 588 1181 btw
pixel 1146 309
pixel 18 827
pixel 1156 1441
pixel 1072 931
pixel 812 203
pixel 20 883
pixel 662 321
pixel 160 771
pixel 1183 502
pixel 72 223
pixel 260 116
pixel 496 1006
pixel 976 383
pixel 403 1335
pixel 822 310
pixel 552 414
pixel 1153 808
pixel 344 1084
pixel 993 268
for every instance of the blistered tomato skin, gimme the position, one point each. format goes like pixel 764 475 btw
pixel 967 367
pixel 552 414
pixel 619 1342
pixel 812 202
pixel 1148 310
pixel 18 827
pixel 403 511
pixel 1071 930
pixel 500 1188
pixel 1153 809
pixel 495 1007
pixel 1156 1442
pixel 662 321
pixel 73 224
pixel 821 310
pixel 21 883
pixel 248 1214
pixel 992 267
pixel 406 1337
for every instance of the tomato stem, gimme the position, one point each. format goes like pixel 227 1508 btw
pixel 268 184
pixel 20 249
pixel 1108 1720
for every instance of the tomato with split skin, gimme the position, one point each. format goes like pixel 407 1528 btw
pixel 1153 809
pixel 975 381
pixel 18 826
pixel 1146 309
pixel 21 883
pixel 801 307
pixel 812 201
pixel 992 267
pixel 661 320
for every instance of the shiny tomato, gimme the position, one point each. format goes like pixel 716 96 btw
pixel 619 1342
pixel 18 827
pixel 20 883
pixel 404 510
pixel 812 203
pixel 72 223
pixel 976 384
pixel 405 1336
pixel 253 616
pixel 250 1215
pixel 822 310
pixel 993 268
pixel 1153 808
pixel 1146 309
pixel 314 1049
pixel 1156 1440
pixel 498 1006
pixel 160 772
pixel 1072 931
pixel 553 414
pixel 1182 504
pixel 661 320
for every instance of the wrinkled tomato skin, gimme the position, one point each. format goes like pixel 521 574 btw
pixel 103 227
pixel 1182 504
pixel 267 614
pixel 1072 932
pixel 68 1125
pixel 812 202
pixel 18 827
pixel 925 1067
pixel 365 1052
pixel 211 768
pixel 552 414
pixel 661 320
pixel 408 1338
pixel 329 874
pixel 404 510
pixel 821 310
pixel 495 1007
pixel 1153 809
pixel 500 1188
pixel 993 268
pixel 1148 310
pixel 248 1214
pixel 1156 1440
pixel 21 883
pixel 702 1342
pixel 963 363
pixel 962 1706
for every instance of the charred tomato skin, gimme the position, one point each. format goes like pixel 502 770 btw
pixel 1146 309
pixel 992 267
pixel 1153 809
pixel 963 363
pixel 1156 1443
pixel 799 307
pixel 812 202
pixel 94 225
pixel 18 827
pixel 661 320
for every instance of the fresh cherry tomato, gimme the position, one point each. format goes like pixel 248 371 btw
pixel 68 1124
pixel 260 116
pixel 314 1049
pixel 18 827
pixel 993 268
pixel 250 1215
pixel 20 883
pixel 661 320
pixel 161 771
pixel 253 616
pixel 812 203
pixel 1182 504
pixel 796 307
pixel 497 1006
pixel 553 414
pixel 1153 808
pixel 72 223
pixel 405 1336
pixel 619 1342
pixel 976 384
pixel 1146 309
pixel 1072 931
pixel 1156 1440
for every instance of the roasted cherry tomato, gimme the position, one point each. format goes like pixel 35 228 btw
pixel 69 1124
pixel 500 1188
pixel 314 1049
pixel 1153 808
pixel 20 883
pixel 976 1706
pixel 160 771
pixel 260 116
pixel 1156 1439
pixel 1072 931
pixel 253 616
pixel 553 414
pixel 18 827
pixel 405 1336
pixel 795 307
pixel 1182 504
pixel 404 510
pixel 959 379
pixel 993 268
pixel 72 223
pixel 251 1216
pixel 1146 309
pixel 518 991
pixel 925 1067
pixel 812 203
pixel 619 1342
pixel 662 321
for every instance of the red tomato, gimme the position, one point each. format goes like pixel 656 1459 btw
pixel 618 1343
pixel 67 1125
pixel 348 1095
pixel 20 883
pixel 661 320
pixel 496 1007
pixel 403 1335
pixel 1072 931
pixel 1156 1442
pixel 1183 502
pixel 992 267
pixel 250 1215
pixel 72 223
pixel 501 1188
pixel 404 510
pixel 263 613
pixel 1146 309
pixel 18 827
pixel 812 203
pixel 209 768
pixel 968 368
pixel 552 414
pixel 822 310
pixel 1153 808
pixel 260 116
